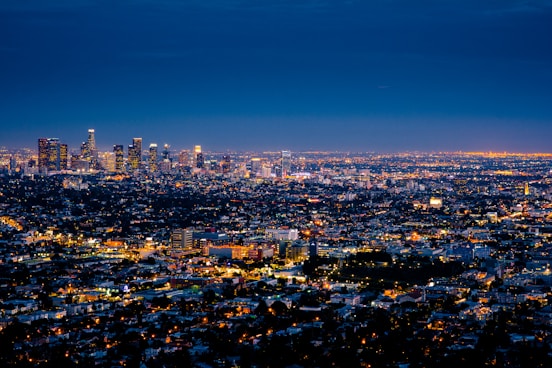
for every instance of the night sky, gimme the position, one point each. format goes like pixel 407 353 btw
pixel 378 75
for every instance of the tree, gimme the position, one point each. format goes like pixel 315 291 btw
pixel 279 308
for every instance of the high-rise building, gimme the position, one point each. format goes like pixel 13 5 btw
pixel 52 156
pixel 91 142
pixel 199 159
pixel 165 165
pixel 153 157
pixel 286 163
pixel 89 152
pixel 184 158
pixel 256 165
pixel 166 153
pixel 107 160
pixel 63 156
pixel 119 157
pixel 135 154
pixel 42 153
pixel 85 151
pixel 12 165
pixel 226 164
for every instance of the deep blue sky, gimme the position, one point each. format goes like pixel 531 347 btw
pixel 378 75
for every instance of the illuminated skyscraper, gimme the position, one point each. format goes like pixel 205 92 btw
pixel 153 157
pixel 286 163
pixel 165 164
pixel 42 153
pixel 184 158
pixel 63 156
pixel 88 150
pixel 119 157
pixel 53 155
pixel 199 159
pixel 256 166
pixel 166 152
pixel 12 166
pixel 50 155
pixel 91 142
pixel 135 153
pixel 226 164
pixel 85 151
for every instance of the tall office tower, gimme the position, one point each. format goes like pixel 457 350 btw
pixel 131 157
pixel 135 153
pixel 119 157
pixel 53 154
pixel 199 160
pixel 286 163
pixel 226 164
pixel 165 164
pixel 93 152
pixel 50 155
pixel 166 153
pixel 106 160
pixel 91 140
pixel 42 153
pixel 184 158
pixel 153 157
pixel 12 164
pixel 63 156
pixel 255 166
pixel 85 151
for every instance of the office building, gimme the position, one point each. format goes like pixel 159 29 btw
pixel 51 155
pixel 42 153
pixel 184 158
pixel 182 239
pixel 256 166
pixel 286 163
pixel 226 164
pixel 107 161
pixel 135 154
pixel 118 150
pixel 152 161
pixel 199 159
pixel 166 152
pixel 63 156
pixel 92 148
pixel 88 150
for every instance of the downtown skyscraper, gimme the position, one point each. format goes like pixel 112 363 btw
pixel 152 157
pixel 52 155
pixel 118 150
pixel 286 163
pixel 89 151
pixel 135 154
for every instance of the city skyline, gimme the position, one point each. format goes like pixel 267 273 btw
pixel 306 75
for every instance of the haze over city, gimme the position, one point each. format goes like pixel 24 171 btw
pixel 365 76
